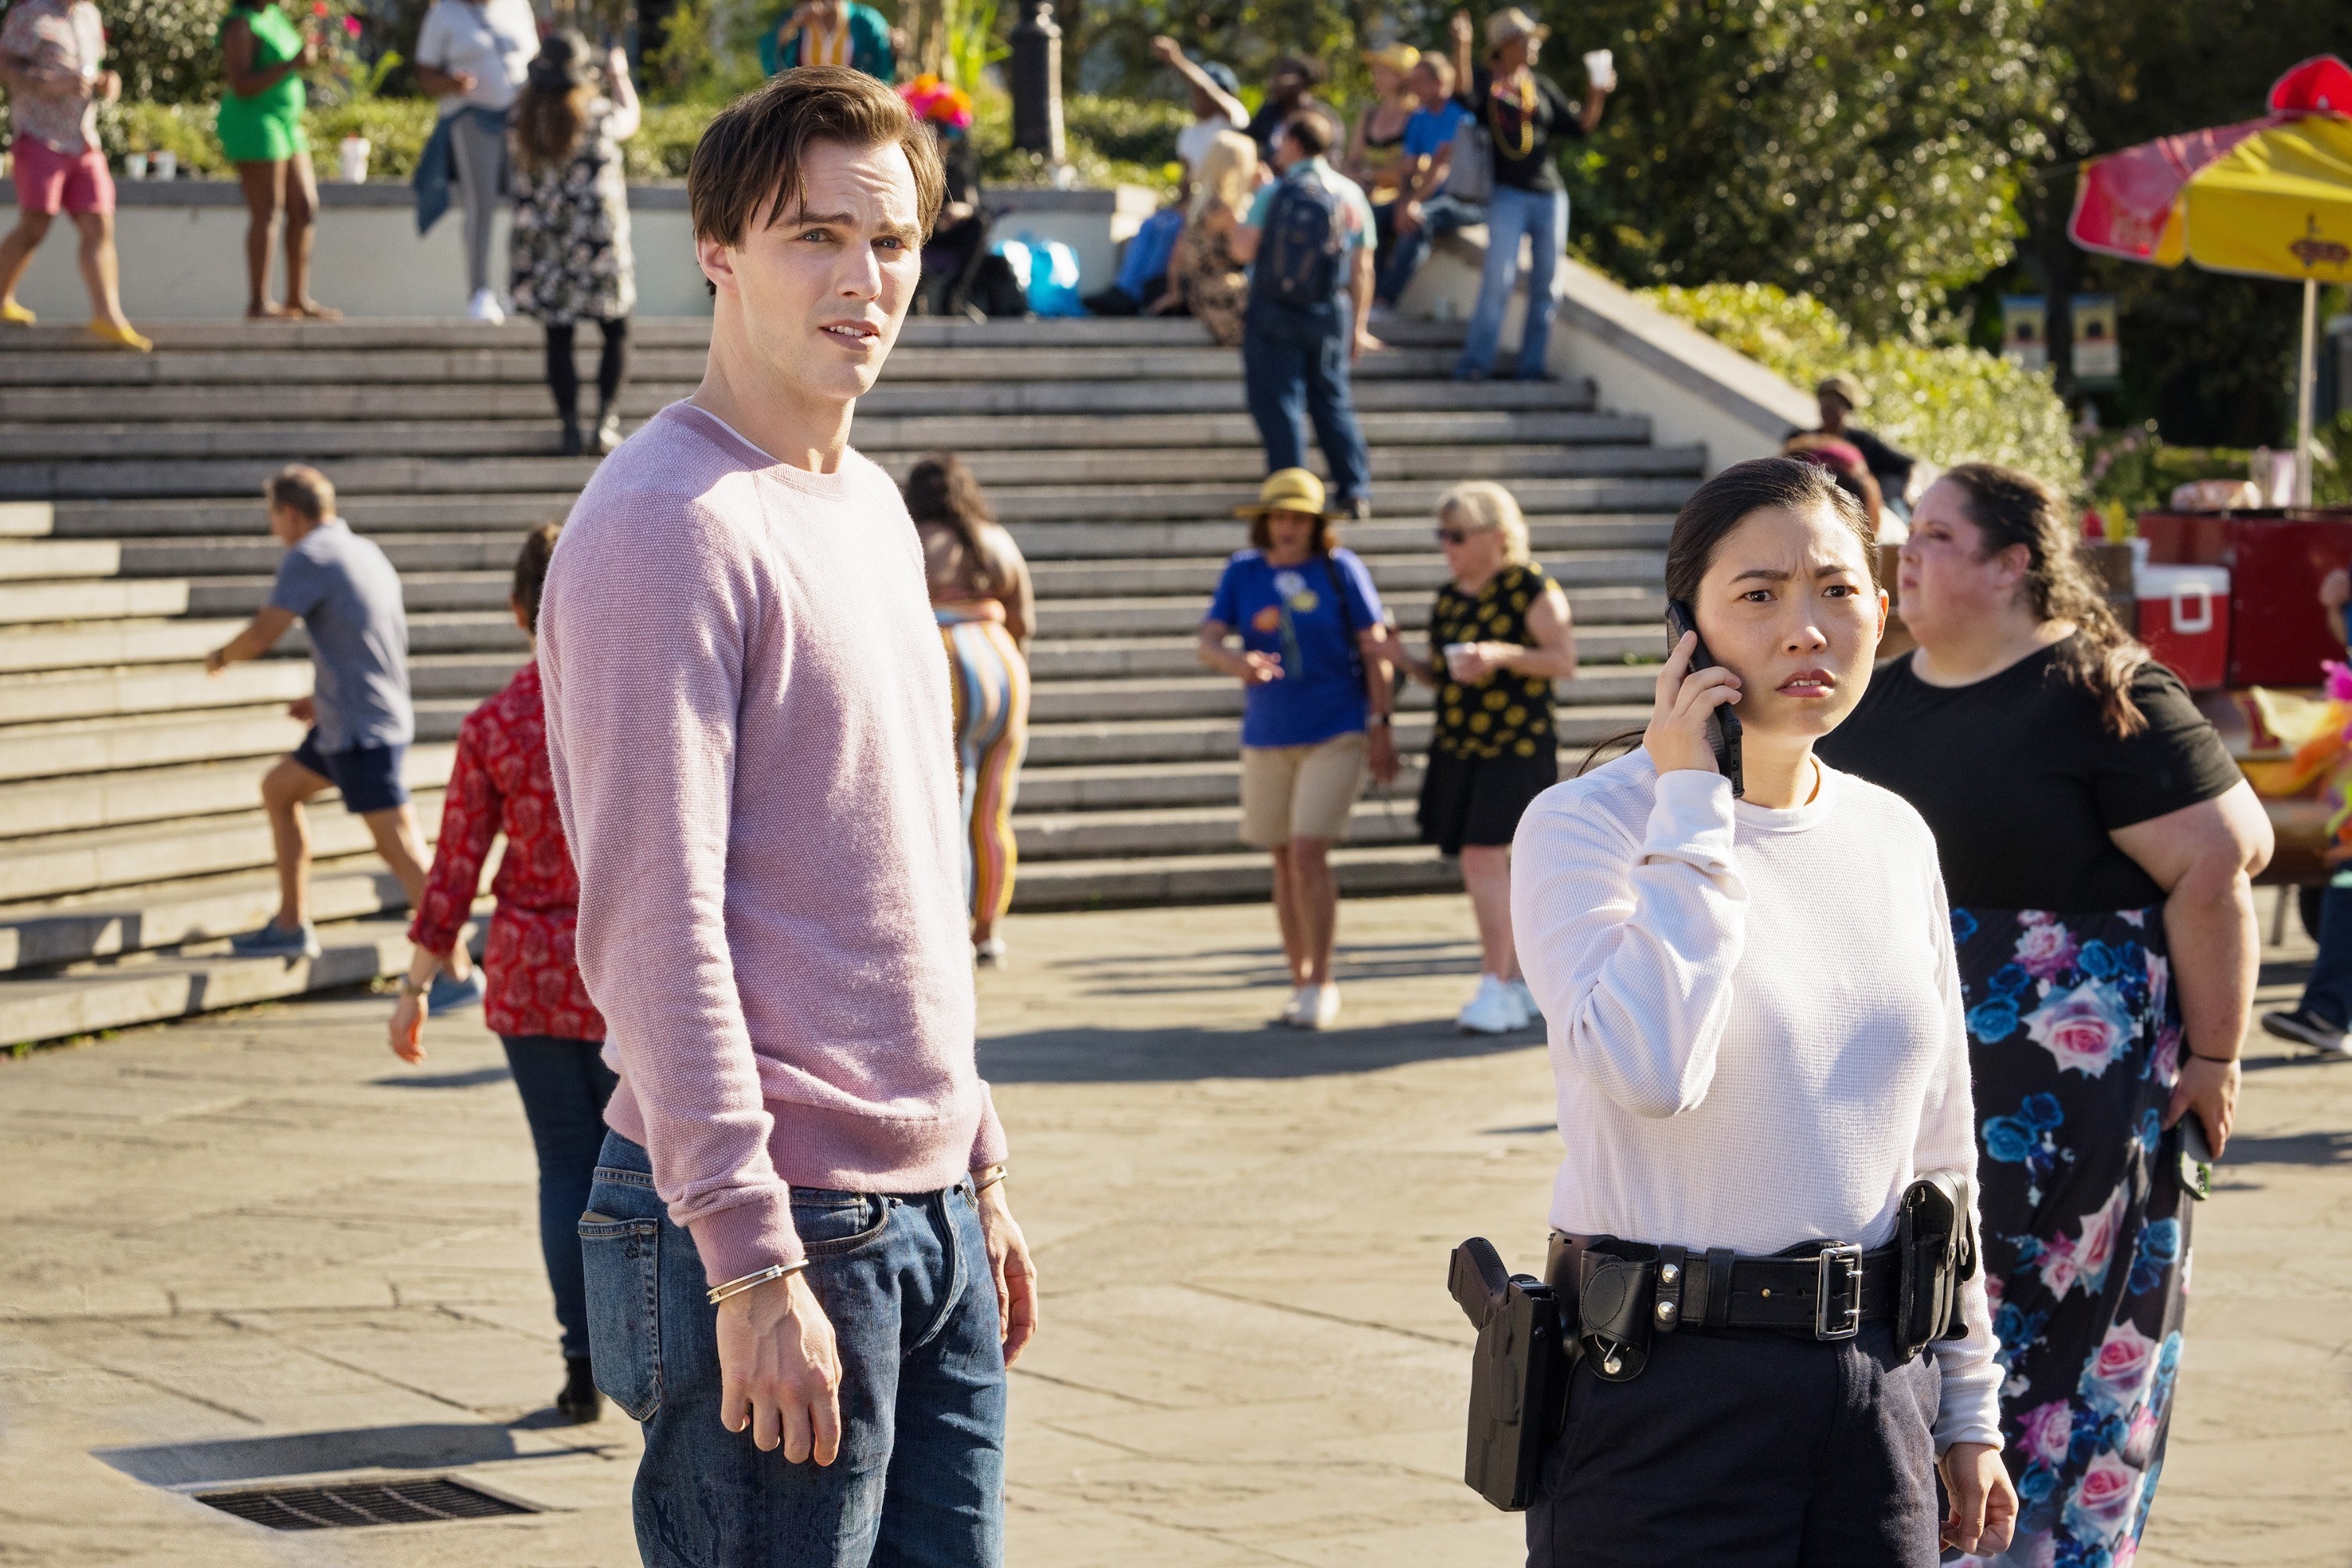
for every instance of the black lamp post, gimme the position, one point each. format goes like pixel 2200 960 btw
pixel 1037 82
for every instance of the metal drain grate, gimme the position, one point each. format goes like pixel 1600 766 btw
pixel 424 1502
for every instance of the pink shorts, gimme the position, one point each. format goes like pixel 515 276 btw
pixel 51 181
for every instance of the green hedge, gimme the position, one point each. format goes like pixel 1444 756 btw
pixel 1944 404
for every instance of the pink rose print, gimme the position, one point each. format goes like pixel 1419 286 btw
pixel 1994 1286
pixel 2097 1247
pixel 2044 1431
pixel 2159 979
pixel 2103 1500
pixel 2085 1028
pixel 2043 951
pixel 2167 1054
pixel 2120 1374
pixel 2125 1550
pixel 2056 1265
pixel 2139 1440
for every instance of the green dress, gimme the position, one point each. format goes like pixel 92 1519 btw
pixel 266 128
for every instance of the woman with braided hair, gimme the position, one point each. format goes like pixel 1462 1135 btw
pixel 2096 844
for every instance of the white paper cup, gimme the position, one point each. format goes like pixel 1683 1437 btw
pixel 1455 652
pixel 166 165
pixel 135 165
pixel 1601 69
pixel 353 152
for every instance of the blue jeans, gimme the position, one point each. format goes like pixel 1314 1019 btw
pixel 2327 994
pixel 565 1085
pixel 1295 361
pixel 920 1481
pixel 1510 213
pixel 1440 215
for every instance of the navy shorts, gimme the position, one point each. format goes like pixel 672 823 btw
pixel 368 776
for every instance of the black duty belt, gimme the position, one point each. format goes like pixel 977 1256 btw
pixel 1828 1289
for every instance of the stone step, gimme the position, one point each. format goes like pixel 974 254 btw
pixel 1173 741
pixel 49 560
pixel 528 399
pixel 1603 651
pixel 1032 472
pixel 125 797
pixel 48 933
pixel 535 434
pixel 145 688
pixel 1228 877
pixel 49 865
pixel 1095 579
pixel 200 368
pixel 27 519
pixel 33 604
pixel 1163 831
pixel 70 747
pixel 87 645
pixel 518 334
pixel 146 989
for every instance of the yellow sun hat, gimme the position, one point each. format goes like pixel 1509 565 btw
pixel 1287 489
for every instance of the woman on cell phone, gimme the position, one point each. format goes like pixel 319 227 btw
pixel 2097 842
pixel 1756 1037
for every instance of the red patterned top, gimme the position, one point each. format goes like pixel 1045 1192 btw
pixel 500 783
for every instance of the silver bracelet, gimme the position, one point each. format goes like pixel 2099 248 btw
pixel 751 1282
pixel 983 1180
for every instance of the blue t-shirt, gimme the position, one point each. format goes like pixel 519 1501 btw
pixel 348 598
pixel 1289 612
pixel 1429 132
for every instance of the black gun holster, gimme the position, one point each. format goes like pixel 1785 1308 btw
pixel 1519 1375
pixel 1935 1231
pixel 1608 1292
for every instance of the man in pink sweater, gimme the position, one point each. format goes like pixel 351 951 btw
pixel 798 1236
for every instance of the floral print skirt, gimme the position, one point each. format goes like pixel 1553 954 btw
pixel 2075 1039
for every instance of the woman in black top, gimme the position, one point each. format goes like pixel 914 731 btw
pixel 2096 843
pixel 1524 113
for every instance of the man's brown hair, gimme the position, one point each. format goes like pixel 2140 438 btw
pixel 746 173
pixel 530 569
pixel 1309 132
pixel 300 487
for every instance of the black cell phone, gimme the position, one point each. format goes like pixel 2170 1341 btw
pixel 1723 729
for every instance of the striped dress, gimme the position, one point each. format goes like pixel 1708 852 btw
pixel 990 681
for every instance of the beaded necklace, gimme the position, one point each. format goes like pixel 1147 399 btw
pixel 1526 96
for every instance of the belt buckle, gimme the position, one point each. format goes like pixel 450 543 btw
pixel 1847 1321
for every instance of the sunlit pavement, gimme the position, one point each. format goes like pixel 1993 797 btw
pixel 258 1247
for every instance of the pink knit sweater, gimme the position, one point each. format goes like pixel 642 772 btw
pixel 749 720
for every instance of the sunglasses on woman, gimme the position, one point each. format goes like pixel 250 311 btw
pixel 1451 536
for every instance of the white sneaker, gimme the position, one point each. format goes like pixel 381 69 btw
pixel 1288 1017
pixel 1494 1010
pixel 484 308
pixel 988 954
pixel 1318 1006
pixel 1528 1011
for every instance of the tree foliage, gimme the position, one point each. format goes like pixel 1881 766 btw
pixel 1864 154
pixel 164 48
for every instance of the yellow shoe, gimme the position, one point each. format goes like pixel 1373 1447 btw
pixel 16 315
pixel 124 336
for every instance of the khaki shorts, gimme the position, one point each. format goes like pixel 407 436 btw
pixel 1300 792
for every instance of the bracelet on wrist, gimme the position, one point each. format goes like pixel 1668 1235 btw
pixel 981 1180
pixel 735 1286
pixel 2201 1057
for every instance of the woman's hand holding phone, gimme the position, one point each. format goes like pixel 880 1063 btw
pixel 1678 736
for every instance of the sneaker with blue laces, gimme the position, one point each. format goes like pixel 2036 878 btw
pixel 275 940
pixel 447 995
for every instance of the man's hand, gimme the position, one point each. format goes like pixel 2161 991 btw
pixel 1458 29
pixel 408 1029
pixel 1383 755
pixel 303 710
pixel 463 82
pixel 1257 669
pixel 1984 1504
pixel 1016 1275
pixel 779 1370
pixel 1365 343
pixel 1167 50
pixel 2209 1089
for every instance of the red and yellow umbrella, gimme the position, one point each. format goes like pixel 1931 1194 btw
pixel 2271 197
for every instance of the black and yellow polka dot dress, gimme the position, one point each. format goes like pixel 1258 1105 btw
pixel 1494 748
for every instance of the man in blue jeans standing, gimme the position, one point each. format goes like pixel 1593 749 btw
pixel 1310 239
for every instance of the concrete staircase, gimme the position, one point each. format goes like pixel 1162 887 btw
pixel 131 539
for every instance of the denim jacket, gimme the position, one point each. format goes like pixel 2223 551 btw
pixel 437 167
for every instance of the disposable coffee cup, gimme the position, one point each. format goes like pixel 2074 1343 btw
pixel 134 164
pixel 1455 652
pixel 353 152
pixel 1601 69
pixel 166 165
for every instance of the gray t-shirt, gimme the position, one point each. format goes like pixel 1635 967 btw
pixel 495 41
pixel 348 598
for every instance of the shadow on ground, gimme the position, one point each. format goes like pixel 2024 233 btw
pixel 423 1445
pixel 1178 1054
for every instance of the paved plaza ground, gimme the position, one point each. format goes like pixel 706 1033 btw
pixel 258 1245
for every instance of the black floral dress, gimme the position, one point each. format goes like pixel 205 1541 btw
pixel 1503 713
pixel 2077 1040
pixel 570 244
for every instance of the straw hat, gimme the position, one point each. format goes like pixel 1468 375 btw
pixel 1288 489
pixel 1845 386
pixel 1513 23
pixel 1398 57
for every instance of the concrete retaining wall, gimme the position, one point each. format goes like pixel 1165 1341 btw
pixel 183 248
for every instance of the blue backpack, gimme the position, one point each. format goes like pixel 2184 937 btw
pixel 1303 241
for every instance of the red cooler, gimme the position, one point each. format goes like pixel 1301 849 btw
pixel 2184 619
pixel 2277 633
